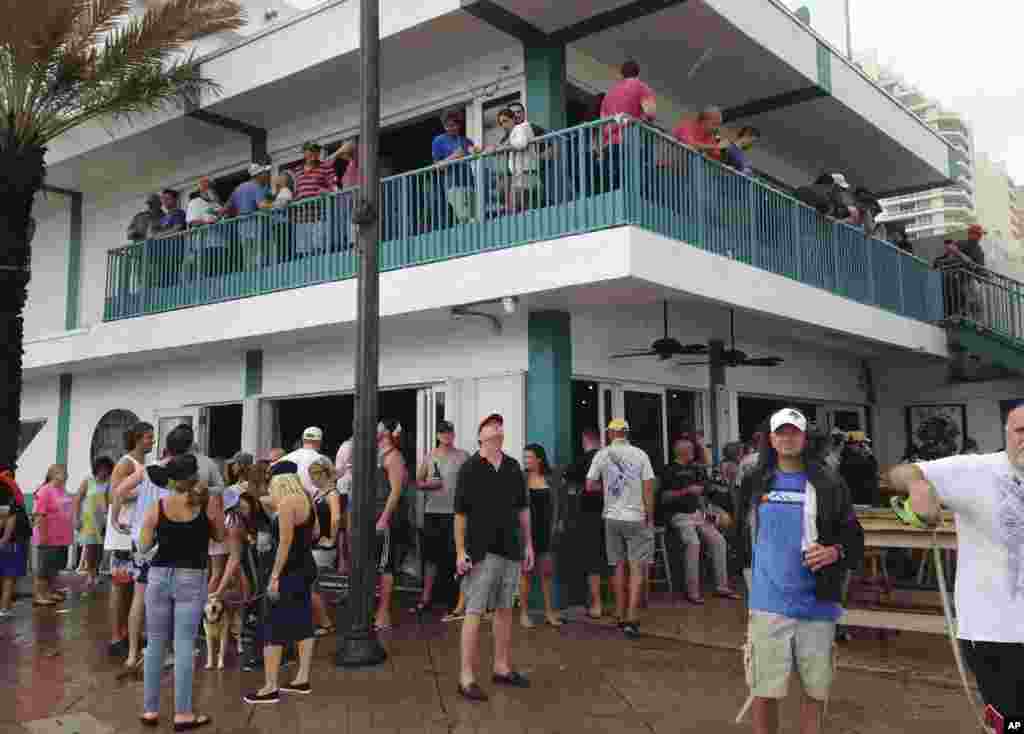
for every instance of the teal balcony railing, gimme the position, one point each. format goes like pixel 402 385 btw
pixel 564 183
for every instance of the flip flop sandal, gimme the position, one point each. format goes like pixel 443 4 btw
pixel 200 721
pixel 452 617
pixel 698 600
pixel 47 603
pixel 472 692
pixel 382 627
pixel 729 594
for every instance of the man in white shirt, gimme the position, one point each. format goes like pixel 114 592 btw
pixel 986 494
pixel 312 440
pixel 626 474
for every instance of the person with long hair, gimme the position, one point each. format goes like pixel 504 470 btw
pixel 53 515
pixel 139 440
pixel 327 504
pixel 435 478
pixel 238 582
pixel 236 479
pixel 289 607
pixel 179 527
pixel 547 513
pixel 91 511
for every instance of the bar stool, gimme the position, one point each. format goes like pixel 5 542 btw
pixel 661 561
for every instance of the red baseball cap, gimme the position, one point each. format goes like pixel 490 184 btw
pixel 976 229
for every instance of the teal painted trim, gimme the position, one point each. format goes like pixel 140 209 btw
pixel 253 377
pixel 545 85
pixel 824 67
pixel 549 403
pixel 63 419
pixel 549 384
pixel 74 263
pixel 1001 350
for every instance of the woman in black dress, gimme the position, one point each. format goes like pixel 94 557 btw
pixel 289 607
pixel 547 513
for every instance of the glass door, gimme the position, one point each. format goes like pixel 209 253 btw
pixel 168 420
pixel 644 410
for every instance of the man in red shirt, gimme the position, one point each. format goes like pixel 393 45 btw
pixel 315 179
pixel 701 134
pixel 630 97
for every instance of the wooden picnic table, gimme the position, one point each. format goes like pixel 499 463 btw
pixel 882 529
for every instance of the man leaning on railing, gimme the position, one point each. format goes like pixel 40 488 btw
pixel 960 266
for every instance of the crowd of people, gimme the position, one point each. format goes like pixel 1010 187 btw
pixel 187 542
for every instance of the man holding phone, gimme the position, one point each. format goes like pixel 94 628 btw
pixel 493 546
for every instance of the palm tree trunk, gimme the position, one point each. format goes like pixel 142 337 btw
pixel 22 178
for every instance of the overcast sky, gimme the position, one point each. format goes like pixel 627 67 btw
pixel 967 55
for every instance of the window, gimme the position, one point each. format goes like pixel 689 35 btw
pixel 925 220
pixel 29 430
pixel 108 437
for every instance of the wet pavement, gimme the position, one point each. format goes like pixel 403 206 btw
pixel 684 675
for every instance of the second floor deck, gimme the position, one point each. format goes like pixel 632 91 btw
pixel 564 183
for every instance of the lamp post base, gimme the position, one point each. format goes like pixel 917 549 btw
pixel 360 651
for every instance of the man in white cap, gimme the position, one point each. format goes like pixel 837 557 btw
pixel 986 494
pixel 798 518
pixel 626 474
pixel 312 440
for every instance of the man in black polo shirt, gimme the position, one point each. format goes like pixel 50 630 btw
pixel 492 524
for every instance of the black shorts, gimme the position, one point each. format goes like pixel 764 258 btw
pixel 52 560
pixel 999 668
pixel 591 545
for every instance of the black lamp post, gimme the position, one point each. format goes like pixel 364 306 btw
pixel 359 646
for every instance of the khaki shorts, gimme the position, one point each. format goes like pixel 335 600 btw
pixel 628 541
pixel 776 645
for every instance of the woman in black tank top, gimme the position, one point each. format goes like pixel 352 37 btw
pixel 288 615
pixel 180 527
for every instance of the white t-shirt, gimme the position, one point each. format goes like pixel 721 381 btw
pixel 986 495
pixel 200 211
pixel 623 468
pixel 284 197
pixel 303 458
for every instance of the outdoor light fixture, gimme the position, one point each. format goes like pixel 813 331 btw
pixel 510 304
pixel 461 312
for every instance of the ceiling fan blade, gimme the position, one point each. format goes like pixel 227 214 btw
pixel 690 364
pixel 645 353
pixel 762 361
pixel 695 349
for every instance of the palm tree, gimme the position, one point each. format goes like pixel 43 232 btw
pixel 64 63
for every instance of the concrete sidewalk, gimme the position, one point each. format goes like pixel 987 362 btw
pixel 586 677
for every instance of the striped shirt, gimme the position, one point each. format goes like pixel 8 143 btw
pixel 315 181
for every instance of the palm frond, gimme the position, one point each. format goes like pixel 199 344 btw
pixel 65 62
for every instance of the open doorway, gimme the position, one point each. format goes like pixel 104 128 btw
pixel 224 186
pixel 334 414
pixel 581 106
pixel 407 147
pixel 224 431
pixel 753 411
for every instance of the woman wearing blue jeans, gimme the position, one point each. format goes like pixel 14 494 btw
pixel 181 529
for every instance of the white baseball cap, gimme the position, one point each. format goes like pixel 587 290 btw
pixel 255 169
pixel 788 417
pixel 312 434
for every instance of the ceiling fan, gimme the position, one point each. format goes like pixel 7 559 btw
pixel 733 357
pixel 666 347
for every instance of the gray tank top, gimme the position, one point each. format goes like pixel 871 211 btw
pixel 445 468
pixel 384 491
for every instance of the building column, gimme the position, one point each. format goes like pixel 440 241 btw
pixel 252 388
pixel 63 419
pixel 545 84
pixel 549 413
pixel 71 315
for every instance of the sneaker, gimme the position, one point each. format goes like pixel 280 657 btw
pixel 302 688
pixel 118 649
pixel 252 664
pixel 256 697
pixel 631 630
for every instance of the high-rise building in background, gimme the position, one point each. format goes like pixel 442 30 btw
pixel 940 211
pixel 1017 214
pixel 994 209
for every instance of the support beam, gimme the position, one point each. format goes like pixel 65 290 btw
pixel 549 385
pixel 257 135
pixel 776 102
pixel 545 84
pixel 63 419
pixel 505 21
pixel 612 19
pixel 716 387
pixel 71 309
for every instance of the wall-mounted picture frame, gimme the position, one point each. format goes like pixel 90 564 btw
pixel 936 431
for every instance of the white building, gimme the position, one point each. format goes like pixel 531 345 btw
pixel 254 346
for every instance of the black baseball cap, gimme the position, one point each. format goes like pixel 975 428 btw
pixel 445 427
pixel 284 467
